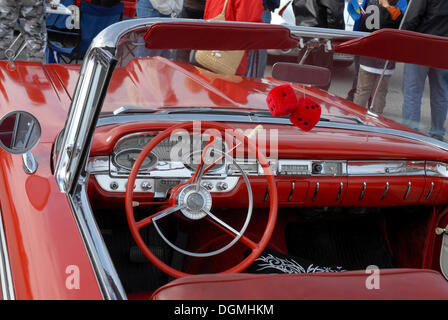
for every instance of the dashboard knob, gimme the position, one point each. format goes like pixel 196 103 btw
pixel 222 186
pixel 317 168
pixel 207 185
pixel 146 186
pixel 114 185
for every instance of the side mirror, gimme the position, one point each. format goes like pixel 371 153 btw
pixel 301 73
pixel 19 132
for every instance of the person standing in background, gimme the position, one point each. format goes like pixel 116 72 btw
pixel 157 9
pixel 269 6
pixel 31 14
pixel 371 69
pixel 357 22
pixel 258 58
pixel 106 3
pixel 430 17
pixel 193 9
pixel 320 13
pixel 237 10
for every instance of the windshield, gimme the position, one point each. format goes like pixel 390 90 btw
pixel 192 81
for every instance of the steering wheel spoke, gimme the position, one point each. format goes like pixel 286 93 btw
pixel 196 179
pixel 157 216
pixel 231 231
pixel 222 223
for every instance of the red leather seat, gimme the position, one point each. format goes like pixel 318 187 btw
pixel 394 284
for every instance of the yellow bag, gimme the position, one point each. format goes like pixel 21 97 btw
pixel 223 62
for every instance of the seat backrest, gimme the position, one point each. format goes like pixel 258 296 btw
pixel 394 284
pixel 93 20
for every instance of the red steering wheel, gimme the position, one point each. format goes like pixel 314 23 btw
pixel 194 201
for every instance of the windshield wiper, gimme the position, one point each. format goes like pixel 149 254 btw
pixel 207 111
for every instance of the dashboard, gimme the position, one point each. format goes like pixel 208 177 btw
pixel 300 182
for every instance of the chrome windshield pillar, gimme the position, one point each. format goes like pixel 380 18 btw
pixel 86 105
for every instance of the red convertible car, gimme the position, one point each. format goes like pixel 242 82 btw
pixel 157 177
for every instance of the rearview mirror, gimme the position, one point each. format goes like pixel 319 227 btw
pixel 19 132
pixel 301 73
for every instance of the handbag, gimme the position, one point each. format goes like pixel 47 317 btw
pixel 220 61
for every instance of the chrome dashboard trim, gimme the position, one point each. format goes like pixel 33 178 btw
pixel 385 168
pixel 436 169
pixel 6 283
pixel 108 179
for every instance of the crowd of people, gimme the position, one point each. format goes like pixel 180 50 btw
pixel 372 76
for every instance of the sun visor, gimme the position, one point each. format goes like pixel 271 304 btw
pixel 400 46
pixel 212 35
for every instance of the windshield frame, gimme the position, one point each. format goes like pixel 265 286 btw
pixel 71 154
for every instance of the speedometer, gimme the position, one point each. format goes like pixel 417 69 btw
pixel 215 156
pixel 125 159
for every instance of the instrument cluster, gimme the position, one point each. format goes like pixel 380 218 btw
pixel 178 155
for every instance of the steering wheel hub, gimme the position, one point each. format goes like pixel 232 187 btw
pixel 195 201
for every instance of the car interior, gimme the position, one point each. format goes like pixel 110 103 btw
pixel 327 202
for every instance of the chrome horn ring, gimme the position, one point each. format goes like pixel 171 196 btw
pixel 204 212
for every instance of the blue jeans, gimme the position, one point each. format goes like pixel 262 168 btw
pixel 266 16
pixel 414 77
pixel 146 10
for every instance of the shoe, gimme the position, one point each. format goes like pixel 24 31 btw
pixel 438 137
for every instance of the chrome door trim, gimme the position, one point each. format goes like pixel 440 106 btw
pixel 6 283
pixel 105 272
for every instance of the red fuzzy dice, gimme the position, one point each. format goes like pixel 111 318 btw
pixel 306 115
pixel 282 100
